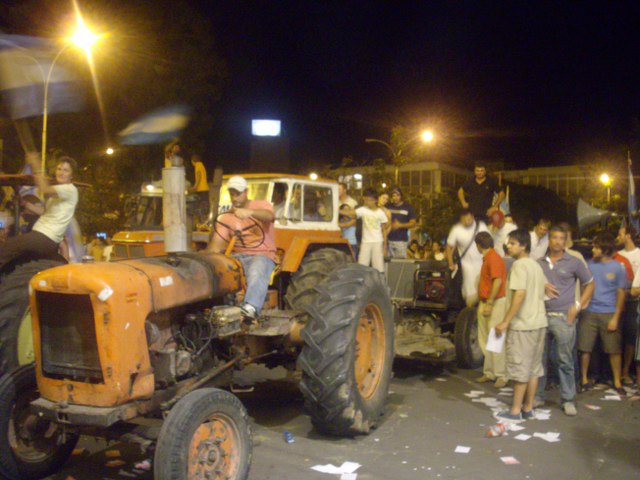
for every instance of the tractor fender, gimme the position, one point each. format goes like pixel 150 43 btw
pixel 301 246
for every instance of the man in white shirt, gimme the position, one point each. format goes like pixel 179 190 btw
pixel 540 239
pixel 43 241
pixel 462 236
pixel 630 314
pixel 629 249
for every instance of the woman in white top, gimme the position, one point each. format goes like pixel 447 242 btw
pixel 61 199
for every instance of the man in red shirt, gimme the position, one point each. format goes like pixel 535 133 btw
pixel 491 309
pixel 254 246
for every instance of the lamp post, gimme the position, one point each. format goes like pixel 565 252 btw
pixel 82 38
pixel 397 150
pixel 606 180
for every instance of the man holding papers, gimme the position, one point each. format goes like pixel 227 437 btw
pixel 525 325
pixel 562 271
pixel 493 280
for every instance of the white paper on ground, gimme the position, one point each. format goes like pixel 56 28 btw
pixel 440 379
pixel 523 437
pixel 550 437
pixel 346 467
pixel 477 392
pixel 495 343
pixel 349 476
pixel 591 407
pixel 510 460
pixel 611 397
pixel 515 428
pixel 462 449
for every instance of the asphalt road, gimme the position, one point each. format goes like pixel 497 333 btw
pixel 427 418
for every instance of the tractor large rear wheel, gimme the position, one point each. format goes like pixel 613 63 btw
pixel 313 270
pixel 16 343
pixel 30 446
pixel 348 351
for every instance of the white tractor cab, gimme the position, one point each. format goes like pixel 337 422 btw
pixel 298 202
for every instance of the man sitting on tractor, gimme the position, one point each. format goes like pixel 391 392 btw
pixel 249 225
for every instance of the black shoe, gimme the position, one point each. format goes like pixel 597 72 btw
pixel 585 387
pixel 621 391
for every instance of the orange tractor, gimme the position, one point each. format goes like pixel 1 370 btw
pixel 119 343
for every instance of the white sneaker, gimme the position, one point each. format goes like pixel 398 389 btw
pixel 570 409
pixel 248 310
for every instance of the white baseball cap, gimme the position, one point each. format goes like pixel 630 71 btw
pixel 237 183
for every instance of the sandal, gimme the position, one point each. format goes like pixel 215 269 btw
pixel 585 387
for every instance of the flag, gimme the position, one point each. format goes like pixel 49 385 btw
pixel 25 64
pixel 159 126
pixel 634 221
pixel 504 205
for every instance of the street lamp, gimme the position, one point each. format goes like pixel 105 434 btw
pixel 109 151
pixel 396 151
pixel 82 38
pixel 313 176
pixel 606 180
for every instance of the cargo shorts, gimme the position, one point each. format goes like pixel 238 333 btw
pixel 524 349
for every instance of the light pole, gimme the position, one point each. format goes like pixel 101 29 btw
pixel 82 38
pixel 397 150
pixel 606 180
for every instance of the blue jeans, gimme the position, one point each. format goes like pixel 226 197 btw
pixel 257 271
pixel 565 340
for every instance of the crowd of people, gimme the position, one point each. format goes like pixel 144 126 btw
pixel 566 322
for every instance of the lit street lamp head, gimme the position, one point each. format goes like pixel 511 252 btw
pixel 605 179
pixel 83 37
pixel 427 136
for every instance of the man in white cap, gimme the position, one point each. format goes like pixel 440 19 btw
pixel 254 246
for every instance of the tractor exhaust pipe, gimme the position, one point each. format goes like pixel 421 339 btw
pixel 174 207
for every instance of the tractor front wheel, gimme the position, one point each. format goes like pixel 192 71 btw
pixel 30 446
pixel 348 351
pixel 206 435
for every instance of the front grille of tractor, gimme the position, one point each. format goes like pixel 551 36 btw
pixel 120 251
pixel 68 337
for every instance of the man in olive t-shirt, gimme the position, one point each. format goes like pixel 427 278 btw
pixel 525 325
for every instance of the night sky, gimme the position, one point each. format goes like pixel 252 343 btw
pixel 524 82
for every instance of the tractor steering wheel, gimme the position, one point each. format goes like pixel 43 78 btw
pixel 241 235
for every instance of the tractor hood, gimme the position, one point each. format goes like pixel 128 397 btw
pixel 157 281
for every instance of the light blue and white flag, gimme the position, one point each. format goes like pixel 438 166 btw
pixel 634 221
pixel 159 126
pixel 25 64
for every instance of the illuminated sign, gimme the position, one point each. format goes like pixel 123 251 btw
pixel 265 128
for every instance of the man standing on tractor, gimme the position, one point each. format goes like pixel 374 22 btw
pixel 481 194
pixel 254 244
pixel 43 241
pixel 403 218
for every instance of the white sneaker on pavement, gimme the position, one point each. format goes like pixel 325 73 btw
pixel 570 409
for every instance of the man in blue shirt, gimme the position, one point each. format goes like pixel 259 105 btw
pixel 562 271
pixel 602 316
pixel 403 218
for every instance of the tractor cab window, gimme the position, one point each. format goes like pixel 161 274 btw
pixel 295 203
pixel 318 204
pixel 279 198
pixel 256 191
